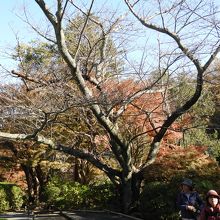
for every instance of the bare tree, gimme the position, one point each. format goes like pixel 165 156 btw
pixel 188 42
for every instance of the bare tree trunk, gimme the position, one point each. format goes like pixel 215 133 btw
pixel 30 184
pixel 129 191
pixel 34 186
pixel 126 195
pixel 42 179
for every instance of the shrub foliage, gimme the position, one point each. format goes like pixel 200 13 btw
pixel 11 197
pixel 64 194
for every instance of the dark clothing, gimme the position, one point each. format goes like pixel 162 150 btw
pixel 209 213
pixel 193 199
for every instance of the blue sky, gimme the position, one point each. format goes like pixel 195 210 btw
pixel 11 27
pixel 9 21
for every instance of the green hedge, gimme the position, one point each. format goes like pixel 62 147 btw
pixel 11 197
pixel 65 194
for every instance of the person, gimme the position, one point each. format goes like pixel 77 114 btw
pixel 211 211
pixel 188 201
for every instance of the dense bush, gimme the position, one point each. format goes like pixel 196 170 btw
pixel 4 204
pixel 65 194
pixel 11 197
pixel 101 196
pixel 158 201
pixel 17 197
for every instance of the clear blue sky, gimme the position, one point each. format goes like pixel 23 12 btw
pixel 11 27
pixel 8 20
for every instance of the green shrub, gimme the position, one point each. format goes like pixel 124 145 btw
pixel 18 196
pixel 72 195
pixel 157 201
pixel 100 196
pixel 4 204
pixel 65 194
pixel 11 197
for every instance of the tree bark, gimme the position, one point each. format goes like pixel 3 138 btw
pixel 32 186
pixel 43 180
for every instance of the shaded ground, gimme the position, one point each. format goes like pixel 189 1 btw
pixel 25 216
pixel 76 215
pixel 95 215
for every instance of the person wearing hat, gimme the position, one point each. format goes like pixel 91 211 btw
pixel 211 211
pixel 189 201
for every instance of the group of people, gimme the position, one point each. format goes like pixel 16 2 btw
pixel 192 207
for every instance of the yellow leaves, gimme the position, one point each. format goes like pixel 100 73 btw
pixel 57 165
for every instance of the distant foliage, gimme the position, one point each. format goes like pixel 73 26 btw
pixel 199 137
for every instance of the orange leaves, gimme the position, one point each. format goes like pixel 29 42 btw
pixel 176 160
